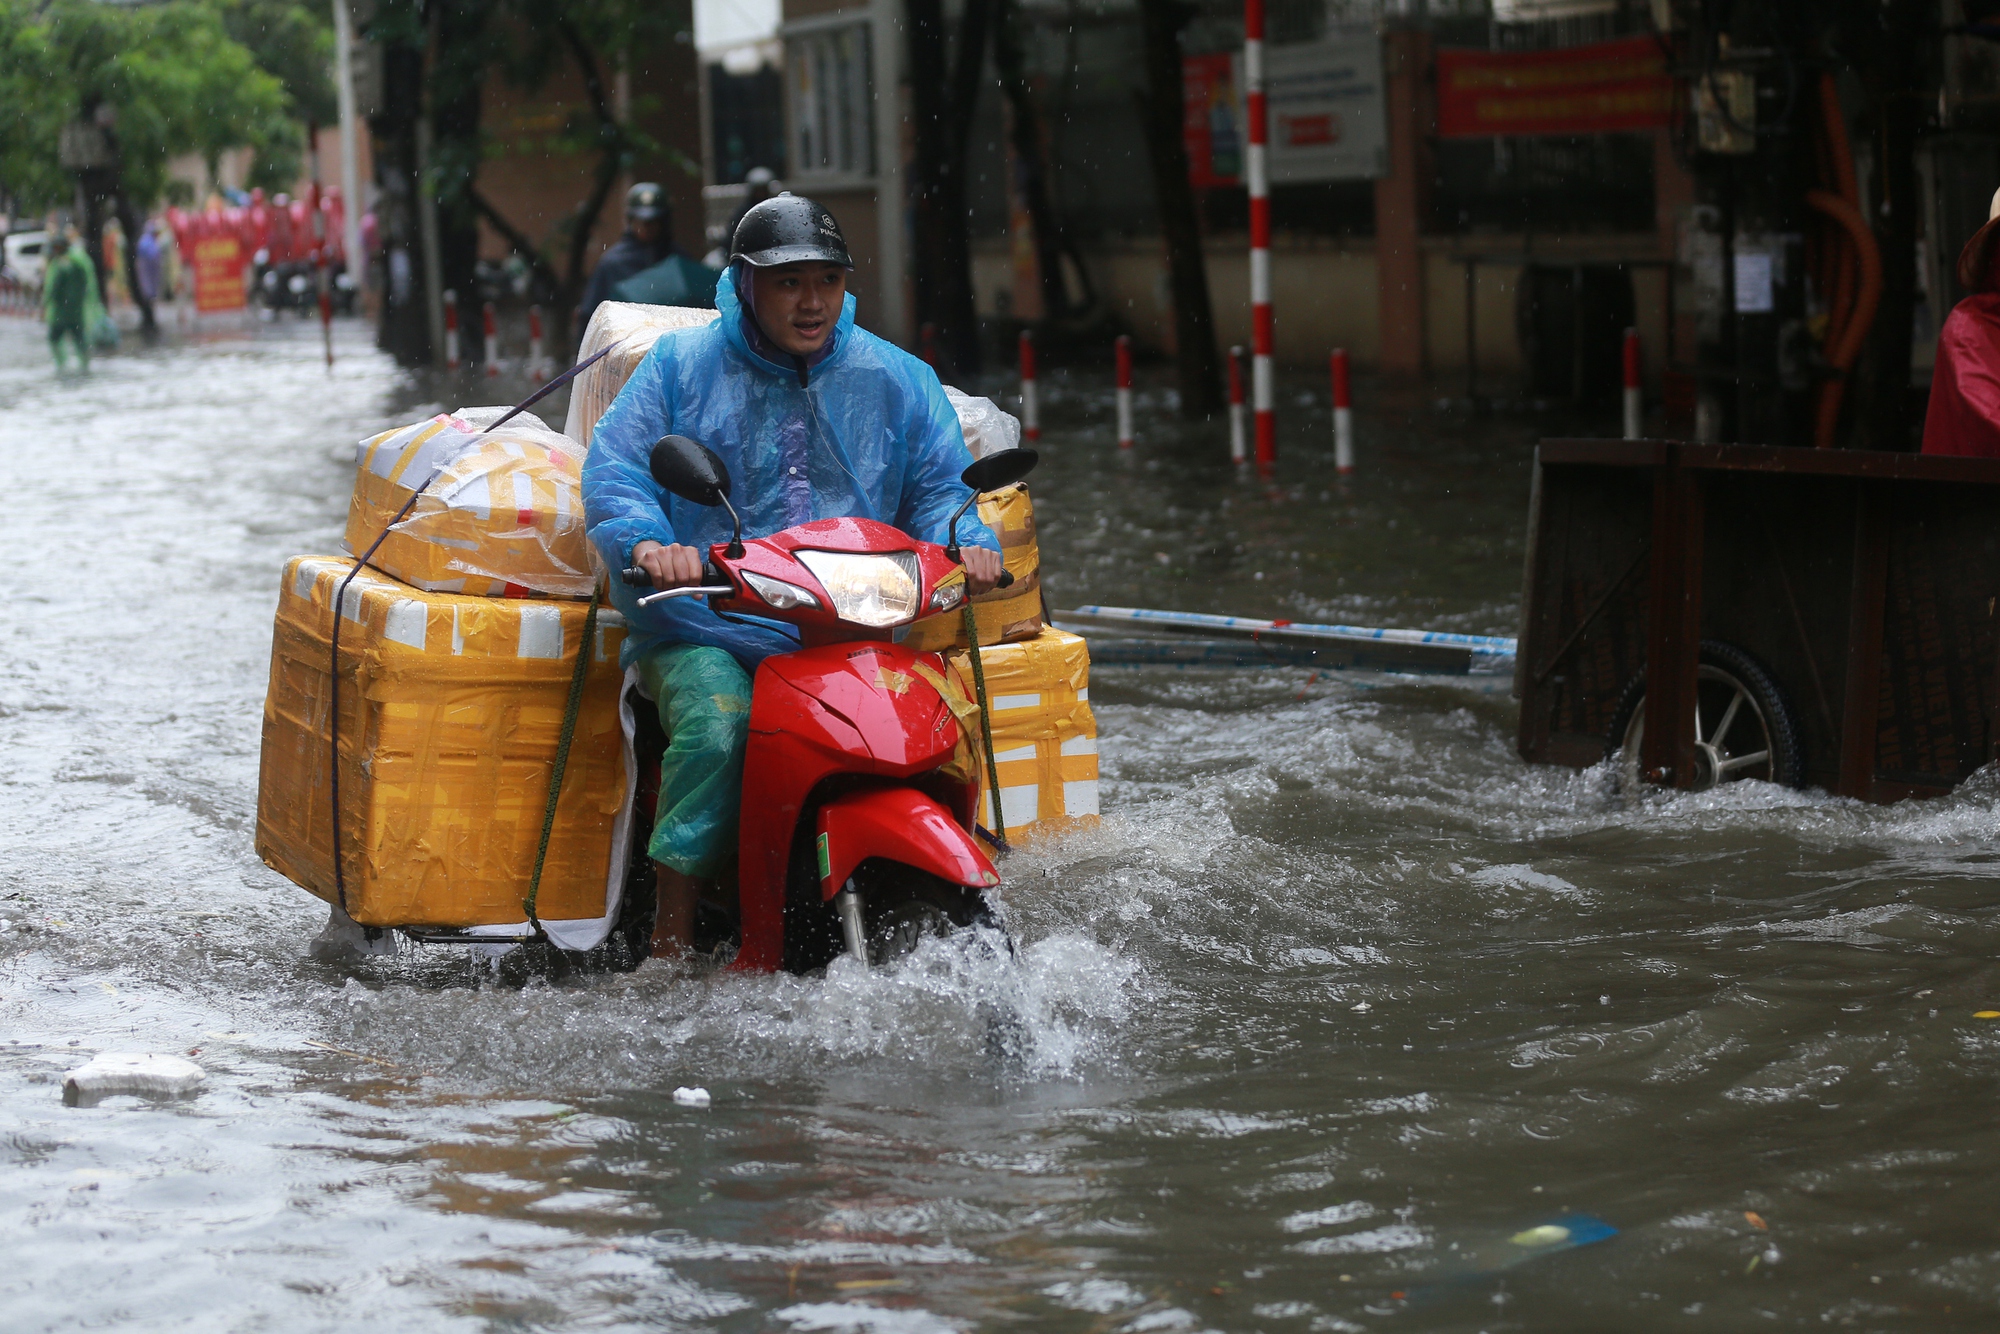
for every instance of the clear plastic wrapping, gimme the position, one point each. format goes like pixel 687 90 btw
pixel 503 518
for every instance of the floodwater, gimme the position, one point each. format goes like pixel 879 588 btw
pixel 1339 1006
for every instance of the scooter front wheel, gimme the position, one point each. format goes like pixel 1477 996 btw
pixel 903 907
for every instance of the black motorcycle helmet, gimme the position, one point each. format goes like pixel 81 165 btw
pixel 645 202
pixel 789 229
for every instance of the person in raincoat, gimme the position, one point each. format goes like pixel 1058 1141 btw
pixel 1964 413
pixel 816 419
pixel 648 239
pixel 68 292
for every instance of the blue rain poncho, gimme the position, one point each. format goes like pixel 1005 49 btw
pixel 871 436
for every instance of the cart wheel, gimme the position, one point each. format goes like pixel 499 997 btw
pixel 1743 726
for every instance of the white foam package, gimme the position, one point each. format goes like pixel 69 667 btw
pixel 630 330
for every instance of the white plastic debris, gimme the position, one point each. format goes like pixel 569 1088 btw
pixel 691 1097
pixel 142 1074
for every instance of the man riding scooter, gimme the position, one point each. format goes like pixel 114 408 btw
pixel 815 419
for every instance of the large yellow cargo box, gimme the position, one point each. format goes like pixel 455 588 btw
pixel 1044 734
pixel 450 711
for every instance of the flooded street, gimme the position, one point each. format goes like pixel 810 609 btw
pixel 1341 1003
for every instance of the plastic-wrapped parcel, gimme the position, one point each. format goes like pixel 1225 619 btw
pixel 503 517
pixel 630 330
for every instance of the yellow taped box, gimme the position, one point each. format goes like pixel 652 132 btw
pixel 450 712
pixel 1003 614
pixel 503 519
pixel 1044 734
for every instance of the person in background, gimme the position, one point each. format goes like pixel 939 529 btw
pixel 1964 413
pixel 67 288
pixel 148 259
pixel 648 239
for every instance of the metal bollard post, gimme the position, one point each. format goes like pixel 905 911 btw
pixel 1633 401
pixel 1343 414
pixel 450 330
pixel 537 371
pixel 1124 353
pixel 491 327
pixel 1239 444
pixel 1031 413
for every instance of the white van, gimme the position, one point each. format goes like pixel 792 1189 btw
pixel 26 256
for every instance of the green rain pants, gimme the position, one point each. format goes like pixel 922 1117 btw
pixel 704 699
pixel 74 335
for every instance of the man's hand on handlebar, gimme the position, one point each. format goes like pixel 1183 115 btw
pixel 671 567
pixel 982 569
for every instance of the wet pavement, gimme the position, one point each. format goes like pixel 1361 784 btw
pixel 1339 1006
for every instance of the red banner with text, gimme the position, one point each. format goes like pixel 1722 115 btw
pixel 1622 85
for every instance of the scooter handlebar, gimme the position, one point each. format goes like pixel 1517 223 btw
pixel 635 577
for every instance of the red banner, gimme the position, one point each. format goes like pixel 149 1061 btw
pixel 1210 125
pixel 218 272
pixel 1621 85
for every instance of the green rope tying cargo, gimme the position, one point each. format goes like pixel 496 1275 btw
pixel 570 711
pixel 985 725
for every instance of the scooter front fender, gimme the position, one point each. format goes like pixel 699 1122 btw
pixel 902 825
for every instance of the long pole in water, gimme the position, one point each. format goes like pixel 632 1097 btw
pixel 1343 414
pixel 1258 176
pixel 1633 401
pixel 1239 445
pixel 1124 357
pixel 1031 408
pixel 350 166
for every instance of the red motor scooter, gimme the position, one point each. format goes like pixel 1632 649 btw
pixel 858 810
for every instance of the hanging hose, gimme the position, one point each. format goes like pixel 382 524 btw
pixel 1843 342
pixel 1851 263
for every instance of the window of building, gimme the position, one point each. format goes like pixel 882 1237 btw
pixel 832 124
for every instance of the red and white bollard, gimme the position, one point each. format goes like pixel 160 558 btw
pixel 1239 444
pixel 450 330
pixel 1343 414
pixel 927 345
pixel 1257 176
pixel 1031 410
pixel 536 370
pixel 1633 401
pixel 1124 348
pixel 492 328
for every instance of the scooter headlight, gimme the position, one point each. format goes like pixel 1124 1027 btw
pixel 867 590
pixel 777 593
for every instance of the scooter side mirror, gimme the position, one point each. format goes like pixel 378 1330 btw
pixel 692 471
pixel 1002 468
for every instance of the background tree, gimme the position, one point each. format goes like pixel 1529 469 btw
pixel 529 43
pixel 944 92
pixel 1161 108
pixel 154 82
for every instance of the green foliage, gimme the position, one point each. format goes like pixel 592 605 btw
pixel 176 80
pixel 292 41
